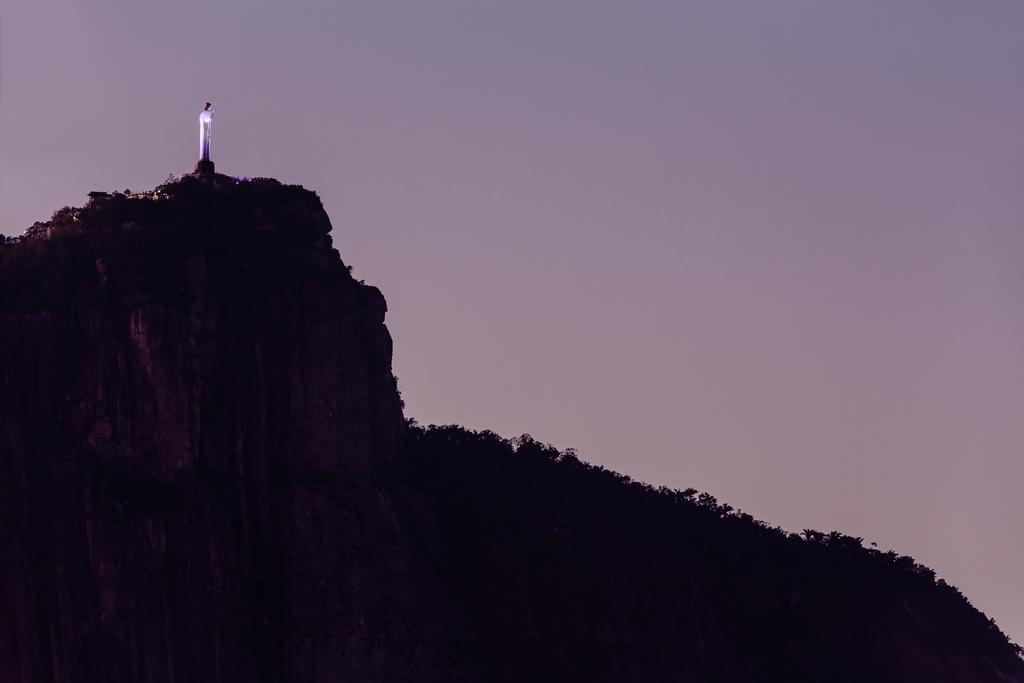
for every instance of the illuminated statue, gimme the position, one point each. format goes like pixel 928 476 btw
pixel 205 128
pixel 205 131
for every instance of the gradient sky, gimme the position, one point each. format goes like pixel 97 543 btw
pixel 772 250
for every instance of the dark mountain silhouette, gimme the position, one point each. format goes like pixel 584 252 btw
pixel 205 475
pixel 571 572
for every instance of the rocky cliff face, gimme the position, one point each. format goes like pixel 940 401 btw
pixel 199 434
pixel 205 476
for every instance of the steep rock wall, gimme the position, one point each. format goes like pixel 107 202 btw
pixel 200 434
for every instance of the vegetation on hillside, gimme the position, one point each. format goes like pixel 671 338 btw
pixel 549 553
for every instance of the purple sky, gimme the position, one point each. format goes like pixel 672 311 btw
pixel 770 250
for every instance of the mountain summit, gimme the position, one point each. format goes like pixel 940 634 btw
pixel 206 475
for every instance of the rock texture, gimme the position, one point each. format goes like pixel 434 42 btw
pixel 205 476
pixel 199 433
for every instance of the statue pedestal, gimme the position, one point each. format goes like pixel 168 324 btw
pixel 204 167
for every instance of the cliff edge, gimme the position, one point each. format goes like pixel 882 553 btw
pixel 200 438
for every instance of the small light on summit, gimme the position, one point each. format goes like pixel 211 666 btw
pixel 205 165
